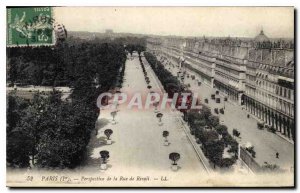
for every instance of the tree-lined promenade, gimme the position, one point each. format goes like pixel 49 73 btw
pixel 142 141
pixel 212 136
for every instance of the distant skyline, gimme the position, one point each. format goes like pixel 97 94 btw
pixel 277 22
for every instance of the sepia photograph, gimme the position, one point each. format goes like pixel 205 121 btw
pixel 150 96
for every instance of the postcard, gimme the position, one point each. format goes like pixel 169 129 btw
pixel 150 97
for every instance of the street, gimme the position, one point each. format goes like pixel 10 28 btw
pixel 266 144
pixel 138 156
pixel 137 138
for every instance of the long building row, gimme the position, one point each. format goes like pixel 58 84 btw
pixel 257 73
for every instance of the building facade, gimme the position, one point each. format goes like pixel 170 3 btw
pixel 256 73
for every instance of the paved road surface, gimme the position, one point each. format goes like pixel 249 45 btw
pixel 137 139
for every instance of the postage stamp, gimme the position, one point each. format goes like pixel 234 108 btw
pixel 30 26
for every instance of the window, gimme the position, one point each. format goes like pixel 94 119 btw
pixel 284 107
pixel 277 90
pixel 280 104
pixel 289 94
pixel 280 91
pixel 288 109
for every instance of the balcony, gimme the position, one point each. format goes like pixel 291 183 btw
pixel 230 65
pixel 203 70
pixel 197 61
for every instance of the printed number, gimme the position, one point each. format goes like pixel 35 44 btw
pixel 41 9
pixel 29 178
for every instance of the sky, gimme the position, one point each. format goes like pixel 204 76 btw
pixel 277 22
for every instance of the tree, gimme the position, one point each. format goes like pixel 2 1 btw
pixel 52 132
pixel 24 134
pixel 222 130
pixel 214 151
pixel 130 48
pixel 165 135
pixel 206 112
pixel 62 65
pixel 227 162
pixel 208 136
pixel 140 49
pixel 197 126
pixel 174 157
pixel 55 97
pixel 199 134
pixel 194 118
pixel 16 107
pixel 104 156
pixel 71 124
pixel 159 116
pixel 108 133
pixel 113 114
pixel 31 124
pixel 156 105
pixel 169 82
pixel 199 123
pixel 57 152
pixel 213 121
pixel 18 148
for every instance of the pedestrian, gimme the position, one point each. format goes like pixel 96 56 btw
pixel 277 155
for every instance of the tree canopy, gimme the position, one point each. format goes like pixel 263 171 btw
pixel 46 130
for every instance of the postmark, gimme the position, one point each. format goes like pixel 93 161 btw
pixel 30 26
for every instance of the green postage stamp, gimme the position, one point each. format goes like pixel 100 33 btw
pixel 30 26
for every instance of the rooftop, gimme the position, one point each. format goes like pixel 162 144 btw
pixel 261 37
